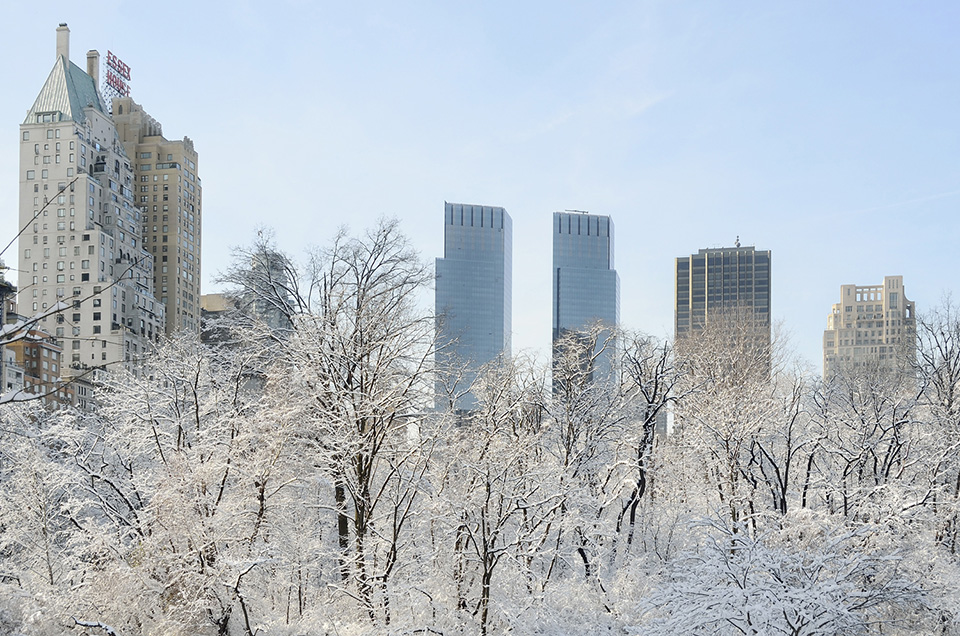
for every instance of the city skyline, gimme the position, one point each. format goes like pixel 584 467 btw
pixel 793 127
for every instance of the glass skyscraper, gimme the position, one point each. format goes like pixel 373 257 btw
pixel 725 282
pixel 473 298
pixel 586 287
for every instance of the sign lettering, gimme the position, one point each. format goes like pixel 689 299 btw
pixel 122 69
pixel 116 77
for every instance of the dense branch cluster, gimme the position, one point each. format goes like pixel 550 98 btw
pixel 293 478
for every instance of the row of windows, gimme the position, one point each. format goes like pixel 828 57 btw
pixel 145 178
pixel 149 155
pixel 40 352
pixel 46 147
pixel 52 133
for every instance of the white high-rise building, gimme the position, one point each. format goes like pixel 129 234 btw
pixel 82 245
pixel 872 326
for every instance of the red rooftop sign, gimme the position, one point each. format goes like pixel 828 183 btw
pixel 118 75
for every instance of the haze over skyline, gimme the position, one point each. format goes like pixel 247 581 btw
pixel 825 133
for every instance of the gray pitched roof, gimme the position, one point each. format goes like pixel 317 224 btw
pixel 68 90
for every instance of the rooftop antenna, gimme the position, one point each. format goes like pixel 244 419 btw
pixel 737 242
pixel 578 211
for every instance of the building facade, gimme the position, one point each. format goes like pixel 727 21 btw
pixel 473 298
pixel 872 326
pixel 728 283
pixel 586 287
pixel 40 356
pixel 82 258
pixel 168 193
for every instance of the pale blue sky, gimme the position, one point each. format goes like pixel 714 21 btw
pixel 826 132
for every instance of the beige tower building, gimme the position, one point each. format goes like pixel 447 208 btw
pixel 168 194
pixel 871 326
pixel 82 258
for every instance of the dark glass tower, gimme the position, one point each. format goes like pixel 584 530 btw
pixel 586 287
pixel 728 282
pixel 473 298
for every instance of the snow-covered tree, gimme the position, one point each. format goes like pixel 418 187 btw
pixel 811 577
pixel 351 379
pixel 292 477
